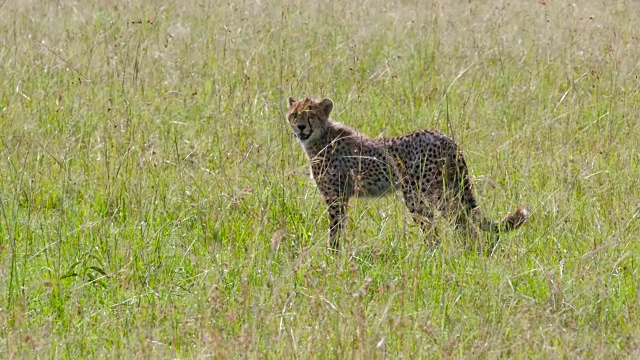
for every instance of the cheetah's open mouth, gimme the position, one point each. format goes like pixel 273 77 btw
pixel 302 136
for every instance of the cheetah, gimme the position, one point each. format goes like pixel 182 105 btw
pixel 426 166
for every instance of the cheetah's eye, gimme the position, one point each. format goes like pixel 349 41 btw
pixel 294 116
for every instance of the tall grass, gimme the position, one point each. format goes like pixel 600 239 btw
pixel 154 204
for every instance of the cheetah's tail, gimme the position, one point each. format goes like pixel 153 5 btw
pixel 510 222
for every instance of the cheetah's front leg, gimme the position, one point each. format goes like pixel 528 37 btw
pixel 337 210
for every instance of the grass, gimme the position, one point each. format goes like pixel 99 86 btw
pixel 154 204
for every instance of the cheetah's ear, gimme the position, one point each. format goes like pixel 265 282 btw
pixel 291 101
pixel 326 105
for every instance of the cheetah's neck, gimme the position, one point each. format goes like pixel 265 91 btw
pixel 334 132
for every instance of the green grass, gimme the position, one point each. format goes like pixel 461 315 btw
pixel 154 204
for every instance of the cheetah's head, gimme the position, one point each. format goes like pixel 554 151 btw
pixel 309 118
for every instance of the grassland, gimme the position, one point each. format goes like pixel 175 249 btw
pixel 153 203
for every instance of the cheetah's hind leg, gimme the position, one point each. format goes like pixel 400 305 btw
pixel 468 221
pixel 429 227
pixel 422 215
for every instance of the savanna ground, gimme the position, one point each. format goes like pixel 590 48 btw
pixel 154 204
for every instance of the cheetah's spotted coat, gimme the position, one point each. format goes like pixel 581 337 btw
pixel 426 166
